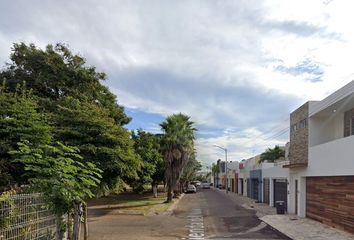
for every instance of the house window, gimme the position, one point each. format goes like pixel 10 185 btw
pixel 303 123
pixel 293 128
pixel 352 126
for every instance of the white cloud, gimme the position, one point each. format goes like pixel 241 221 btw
pixel 214 60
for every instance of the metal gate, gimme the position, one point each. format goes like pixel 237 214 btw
pixel 281 191
pixel 266 190
pixel 255 188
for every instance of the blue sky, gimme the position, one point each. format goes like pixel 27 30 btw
pixel 238 68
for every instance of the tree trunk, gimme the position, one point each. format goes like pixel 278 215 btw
pixel 169 193
pixel 154 190
pixel 70 226
pixel 85 222
pixel 77 220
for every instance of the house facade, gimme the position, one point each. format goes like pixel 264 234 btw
pixel 232 174
pixel 275 183
pixel 321 160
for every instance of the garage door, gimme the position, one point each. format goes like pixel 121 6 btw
pixel 266 190
pixel 255 188
pixel 281 191
pixel 331 200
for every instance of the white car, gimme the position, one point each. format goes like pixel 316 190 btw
pixel 191 189
pixel 206 185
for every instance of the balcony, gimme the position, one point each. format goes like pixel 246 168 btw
pixel 332 158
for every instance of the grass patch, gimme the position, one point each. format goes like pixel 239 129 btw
pixel 126 203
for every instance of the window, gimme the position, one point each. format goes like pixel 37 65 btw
pixel 352 126
pixel 293 128
pixel 303 123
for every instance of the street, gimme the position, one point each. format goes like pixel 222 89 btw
pixel 208 214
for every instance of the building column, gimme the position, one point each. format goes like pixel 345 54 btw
pixel 302 197
pixel 291 195
pixel 245 189
pixel 271 192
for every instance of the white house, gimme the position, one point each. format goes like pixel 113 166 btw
pixel 321 159
pixel 275 183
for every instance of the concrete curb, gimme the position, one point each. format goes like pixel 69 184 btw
pixel 173 206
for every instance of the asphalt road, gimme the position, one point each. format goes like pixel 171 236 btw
pixel 208 214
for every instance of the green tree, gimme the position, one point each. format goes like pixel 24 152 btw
pixel 19 121
pixel 83 112
pixel 190 171
pixel 99 139
pixel 272 154
pixel 147 146
pixel 57 171
pixel 177 146
pixel 56 72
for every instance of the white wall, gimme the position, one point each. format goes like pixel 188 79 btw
pixel 327 128
pixel 275 172
pixel 332 158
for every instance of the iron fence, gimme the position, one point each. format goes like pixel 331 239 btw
pixel 25 217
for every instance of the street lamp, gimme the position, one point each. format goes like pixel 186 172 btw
pixel 225 150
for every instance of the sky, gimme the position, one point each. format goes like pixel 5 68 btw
pixel 237 68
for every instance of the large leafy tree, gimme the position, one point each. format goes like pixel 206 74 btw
pixel 147 146
pixel 272 154
pixel 19 121
pixel 56 72
pixel 99 139
pixel 177 146
pixel 83 112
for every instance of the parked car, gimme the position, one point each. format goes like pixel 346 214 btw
pixel 196 183
pixel 206 185
pixel 191 189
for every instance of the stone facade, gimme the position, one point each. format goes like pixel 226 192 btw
pixel 348 116
pixel 298 150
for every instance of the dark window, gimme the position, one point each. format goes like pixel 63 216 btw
pixel 293 128
pixel 352 125
pixel 303 123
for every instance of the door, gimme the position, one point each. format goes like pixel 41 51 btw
pixel 248 187
pixel 255 188
pixel 241 185
pixel 266 190
pixel 281 191
pixel 296 197
pixel 331 200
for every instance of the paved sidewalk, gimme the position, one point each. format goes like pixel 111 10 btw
pixel 262 209
pixel 294 227
pixel 304 228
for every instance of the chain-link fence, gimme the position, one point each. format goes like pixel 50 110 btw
pixel 24 217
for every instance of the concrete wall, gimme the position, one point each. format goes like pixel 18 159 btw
pixel 334 158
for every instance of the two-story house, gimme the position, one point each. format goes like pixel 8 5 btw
pixel 321 159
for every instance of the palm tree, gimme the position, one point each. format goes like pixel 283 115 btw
pixel 177 147
pixel 272 154
pixel 215 170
